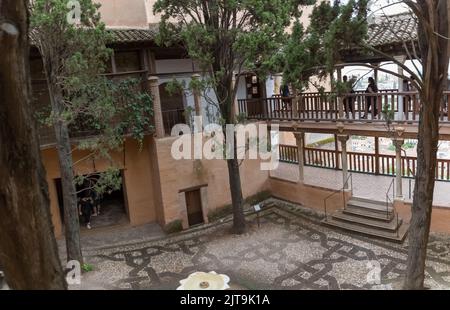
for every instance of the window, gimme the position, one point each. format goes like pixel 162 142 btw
pixel 127 61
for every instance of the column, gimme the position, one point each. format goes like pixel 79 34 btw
pixel 196 93
pixel 343 139
pixel 400 99
pixel 339 98
pixel 398 167
pixel 153 85
pixel 300 138
pixel 377 155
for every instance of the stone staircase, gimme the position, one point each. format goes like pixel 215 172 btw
pixel 369 217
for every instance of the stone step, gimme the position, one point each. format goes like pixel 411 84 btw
pixel 397 236
pixel 374 206
pixel 391 225
pixel 355 198
pixel 366 213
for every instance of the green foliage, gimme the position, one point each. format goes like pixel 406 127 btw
pixel 90 104
pixel 173 227
pixel 321 142
pixel 333 28
pixel 87 267
pixel 388 113
pixel 226 37
pixel 101 182
pixel 219 213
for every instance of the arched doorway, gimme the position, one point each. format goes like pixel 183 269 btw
pixel 172 106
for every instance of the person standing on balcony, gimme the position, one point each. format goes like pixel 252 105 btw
pixel 285 95
pixel 371 100
pixel 348 100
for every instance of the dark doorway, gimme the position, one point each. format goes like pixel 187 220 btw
pixel 111 211
pixel 194 207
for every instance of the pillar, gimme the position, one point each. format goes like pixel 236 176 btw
pixel 377 155
pixel 339 98
pixel 343 140
pixel 400 99
pixel 398 167
pixel 300 139
pixel 153 85
pixel 196 93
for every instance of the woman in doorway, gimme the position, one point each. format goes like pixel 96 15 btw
pixel 371 100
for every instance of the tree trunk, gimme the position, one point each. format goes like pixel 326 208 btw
pixel 434 53
pixel 239 225
pixel 28 249
pixel 237 201
pixel 71 221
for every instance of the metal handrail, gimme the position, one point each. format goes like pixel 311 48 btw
pixel 388 199
pixel 349 178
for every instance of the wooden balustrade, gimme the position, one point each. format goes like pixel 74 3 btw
pixel 325 106
pixel 361 162
pixel 172 118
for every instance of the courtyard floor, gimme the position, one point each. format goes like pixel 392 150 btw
pixel 364 185
pixel 290 250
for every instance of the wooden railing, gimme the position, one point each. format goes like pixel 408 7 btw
pixel 354 106
pixel 172 118
pixel 381 164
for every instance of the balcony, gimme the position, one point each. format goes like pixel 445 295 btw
pixel 355 107
pixel 80 128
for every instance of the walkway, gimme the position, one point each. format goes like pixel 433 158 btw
pixel 364 185
pixel 291 250
pixel 113 236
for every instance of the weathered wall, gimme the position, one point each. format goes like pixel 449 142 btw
pixel 307 195
pixel 125 13
pixel 178 175
pixel 440 216
pixel 137 182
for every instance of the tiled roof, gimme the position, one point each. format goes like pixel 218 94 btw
pixel 127 35
pixel 392 29
pixel 134 35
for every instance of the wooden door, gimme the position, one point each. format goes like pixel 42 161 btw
pixel 194 207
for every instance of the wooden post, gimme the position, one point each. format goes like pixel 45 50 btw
pixel 300 139
pixel 153 84
pixel 339 98
pixel 398 167
pixel 377 155
pixel 197 102
pixel 336 152
pixel 400 99
pixel 343 139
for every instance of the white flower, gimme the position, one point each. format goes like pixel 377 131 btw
pixel 205 281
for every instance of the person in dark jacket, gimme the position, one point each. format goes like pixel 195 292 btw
pixel 86 207
pixel 285 96
pixel 371 100
pixel 348 100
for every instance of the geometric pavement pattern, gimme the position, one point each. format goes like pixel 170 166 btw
pixel 288 251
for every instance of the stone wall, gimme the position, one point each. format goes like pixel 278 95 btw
pixel 178 175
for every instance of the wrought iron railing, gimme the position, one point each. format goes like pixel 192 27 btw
pixel 345 187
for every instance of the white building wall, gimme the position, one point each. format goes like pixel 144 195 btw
pixel 241 88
